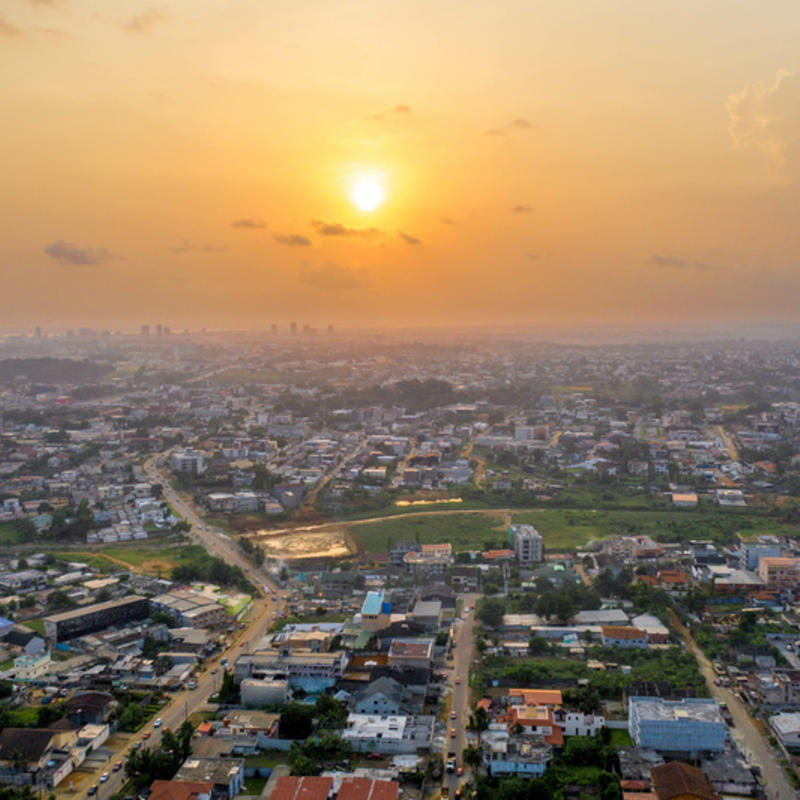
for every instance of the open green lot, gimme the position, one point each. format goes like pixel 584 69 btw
pixel 468 531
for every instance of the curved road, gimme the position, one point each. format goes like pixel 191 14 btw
pixel 184 703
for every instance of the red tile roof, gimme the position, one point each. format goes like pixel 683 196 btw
pixel 289 788
pixel 179 790
pixel 368 789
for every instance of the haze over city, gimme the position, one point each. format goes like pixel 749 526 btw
pixel 515 163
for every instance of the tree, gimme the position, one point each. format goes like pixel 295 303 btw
pixel 471 756
pixel 162 664
pixel 228 691
pixel 330 713
pixel 490 612
pixel 479 722
pixel 537 645
pixel 295 721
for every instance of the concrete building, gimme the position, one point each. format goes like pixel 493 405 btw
pixel 429 614
pixel 375 612
pixel 787 729
pixel 684 727
pixel 411 653
pixel 506 754
pixel 260 693
pixel 192 462
pixel 388 734
pixel 191 609
pixel 624 636
pixel 779 573
pixel 527 544
pixel 98 617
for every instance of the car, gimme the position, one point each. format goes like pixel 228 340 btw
pixel 136 745
pixel 242 644
pixel 452 733
pixel 458 681
pixel 104 777
pixel 374 756
pixel 146 735
pixel 117 767
pixel 460 771
pixel 92 790
pixel 158 723
pixel 453 715
pixel 214 671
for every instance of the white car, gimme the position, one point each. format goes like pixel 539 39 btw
pixel 158 723
pixel 104 777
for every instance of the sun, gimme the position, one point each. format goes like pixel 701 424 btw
pixel 367 193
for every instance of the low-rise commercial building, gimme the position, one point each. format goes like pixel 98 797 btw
pixel 684 727
pixel 97 617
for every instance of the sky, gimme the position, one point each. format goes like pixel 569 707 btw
pixel 193 162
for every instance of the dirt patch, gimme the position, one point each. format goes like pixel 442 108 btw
pixel 155 566
pixel 333 543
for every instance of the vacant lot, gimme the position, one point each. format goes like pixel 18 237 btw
pixel 468 531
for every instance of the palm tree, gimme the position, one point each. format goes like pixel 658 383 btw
pixel 471 756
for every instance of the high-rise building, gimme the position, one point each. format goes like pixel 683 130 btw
pixel 273 329
pixel 145 330
pixel 159 329
pixel 38 332
pixel 293 328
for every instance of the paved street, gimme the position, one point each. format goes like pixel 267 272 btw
pixel 459 689
pixel 185 703
pixel 752 743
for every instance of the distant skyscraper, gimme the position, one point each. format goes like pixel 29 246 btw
pixel 273 329
pixel 166 330
pixel 330 329
pixel 159 329
pixel 293 328
pixel 38 332
pixel 145 330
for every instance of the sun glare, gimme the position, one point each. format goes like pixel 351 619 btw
pixel 367 194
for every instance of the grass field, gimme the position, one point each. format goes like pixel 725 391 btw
pixel 565 529
pixel 8 534
pixel 463 531
pixel 36 625
pixel 620 738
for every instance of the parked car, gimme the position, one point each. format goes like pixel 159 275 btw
pixel 104 777
pixel 375 756
pixel 158 723
pixel 117 767
pixel 92 790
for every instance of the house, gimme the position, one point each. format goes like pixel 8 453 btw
pixel 780 573
pixel 384 696
pixel 90 707
pixel 428 613
pixel 787 729
pixel 684 499
pixel 388 734
pixel 678 781
pixel 29 755
pixel 623 636
pixel 690 726
pixel 225 774
pixel 513 754
pixel 527 544
pixel 250 723
pixel 411 653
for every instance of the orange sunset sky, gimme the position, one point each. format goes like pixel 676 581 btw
pixel 194 161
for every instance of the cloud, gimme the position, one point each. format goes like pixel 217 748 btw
pixel 522 209
pixel 401 109
pixel 7 29
pixel 408 238
pixel 766 117
pixel 447 221
pixel 676 262
pixel 144 22
pixel 494 132
pixel 70 253
pixel 521 124
pixel 248 222
pixel 335 276
pixel 337 229
pixel 187 247
pixel 532 256
pixel 292 239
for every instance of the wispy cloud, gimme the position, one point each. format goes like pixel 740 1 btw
pixel 522 209
pixel 766 117
pixel 447 221
pixel 71 253
pixel 292 239
pixel 532 256
pixel 144 22
pixel 398 109
pixel 248 223
pixel 518 124
pixel 7 29
pixel 337 229
pixel 677 262
pixel 334 277
pixel 187 247
pixel 402 109
pixel 408 238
